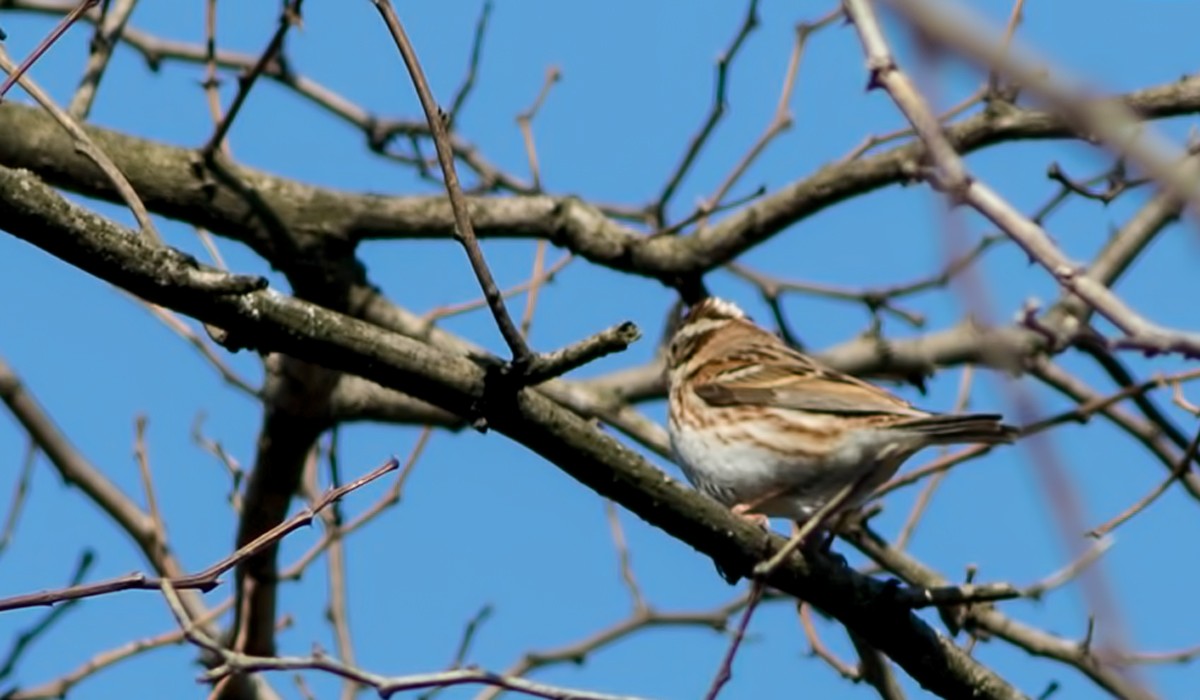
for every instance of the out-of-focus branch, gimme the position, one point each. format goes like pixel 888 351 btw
pixel 16 506
pixel 948 174
pixel 1120 128
pixel 337 611
pixel 103 42
pixel 1139 333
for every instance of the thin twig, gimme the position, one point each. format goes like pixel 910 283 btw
pixel 818 649
pixel 20 492
pixel 104 40
pixel 1144 502
pixel 469 631
pixel 468 83
pixel 15 74
pixel 289 17
pixel 1015 16
pixel 716 111
pixel 60 687
pixel 972 100
pixel 390 498
pixel 547 276
pixel 771 287
pixel 782 119
pixel 209 244
pixel 535 277
pixel 24 640
pixel 233 662
pixel 989 620
pixel 552 364
pixel 177 325
pixel 624 561
pixel 159 527
pixel 464 232
pixel 336 612
pixel 216 449
pixel 1068 573
pixel 212 82
pixel 1150 434
pixel 205 580
pixel 525 124
pixel 725 670
pixel 85 144
pixel 577 652
pixel 464 647
pixel 926 494
pixel 77 471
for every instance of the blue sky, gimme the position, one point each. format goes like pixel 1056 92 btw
pixel 483 521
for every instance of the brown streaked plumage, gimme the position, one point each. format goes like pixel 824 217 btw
pixel 767 430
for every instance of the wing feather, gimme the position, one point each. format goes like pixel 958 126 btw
pixel 787 379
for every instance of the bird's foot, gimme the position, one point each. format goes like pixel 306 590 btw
pixel 742 510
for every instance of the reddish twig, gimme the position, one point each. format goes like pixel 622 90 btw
pixel 725 670
pixel 44 45
pixel 205 580
pixel 390 498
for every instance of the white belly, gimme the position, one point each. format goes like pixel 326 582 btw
pixel 786 486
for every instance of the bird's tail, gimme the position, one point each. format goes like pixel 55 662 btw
pixel 948 429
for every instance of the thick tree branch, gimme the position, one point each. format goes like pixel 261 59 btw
pixel 987 618
pixel 274 322
pixel 166 180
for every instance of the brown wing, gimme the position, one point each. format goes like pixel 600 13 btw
pixel 783 378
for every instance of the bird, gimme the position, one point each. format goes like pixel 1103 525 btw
pixel 770 432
